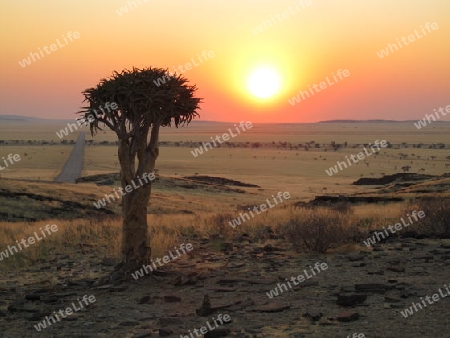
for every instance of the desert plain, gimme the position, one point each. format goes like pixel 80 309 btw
pixel 231 269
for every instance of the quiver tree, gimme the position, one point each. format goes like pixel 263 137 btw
pixel 135 104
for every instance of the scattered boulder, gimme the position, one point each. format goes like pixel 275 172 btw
pixel 165 332
pixel 172 299
pixel 313 315
pixel 218 332
pixel 347 316
pixel 371 287
pixel 351 299
pixel 272 307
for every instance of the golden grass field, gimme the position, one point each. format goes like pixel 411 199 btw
pixel 301 173
pixel 271 168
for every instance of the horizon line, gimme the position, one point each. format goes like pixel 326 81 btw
pixel 24 117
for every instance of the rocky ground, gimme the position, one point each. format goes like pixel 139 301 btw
pixel 370 286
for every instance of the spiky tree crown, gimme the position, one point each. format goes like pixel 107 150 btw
pixel 143 97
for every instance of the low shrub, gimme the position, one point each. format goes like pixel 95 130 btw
pixel 322 229
pixel 436 222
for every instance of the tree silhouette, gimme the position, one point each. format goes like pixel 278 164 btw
pixel 406 168
pixel 142 108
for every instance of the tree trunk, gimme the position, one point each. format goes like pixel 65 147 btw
pixel 136 250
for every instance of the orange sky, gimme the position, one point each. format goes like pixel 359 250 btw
pixel 304 47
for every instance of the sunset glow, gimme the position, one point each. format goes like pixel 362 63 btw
pixel 263 55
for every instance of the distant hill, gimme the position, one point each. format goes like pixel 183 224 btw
pixel 38 119
pixel 22 118
pixel 365 121
pixel 18 118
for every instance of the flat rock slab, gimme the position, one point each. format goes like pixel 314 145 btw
pixel 351 300
pixel 223 289
pixel 144 334
pixel 396 268
pixel 217 333
pixel 347 316
pixel 246 280
pixel 172 299
pixel 23 307
pixel 313 315
pixel 371 287
pixel 272 307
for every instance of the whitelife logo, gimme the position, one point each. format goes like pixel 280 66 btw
pixel 417 306
pixel 411 38
pixel 319 267
pixel 206 55
pixel 53 47
pixel 262 207
pixel 299 6
pixel 109 106
pixel 124 10
pixel 423 123
pixel 371 240
pixel 68 311
pixel 360 155
pixel 129 188
pixel 225 137
pixel 166 259
pixel 341 74
pixel 31 240
pixel 11 158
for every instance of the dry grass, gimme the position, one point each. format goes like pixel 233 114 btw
pixel 313 229
pixel 70 238
pixel 375 216
pixel 320 229
pixel 436 222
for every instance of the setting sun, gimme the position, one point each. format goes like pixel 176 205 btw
pixel 263 82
